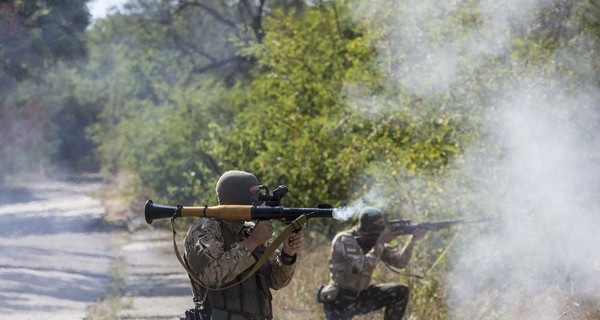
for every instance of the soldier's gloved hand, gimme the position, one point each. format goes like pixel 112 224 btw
pixel 262 232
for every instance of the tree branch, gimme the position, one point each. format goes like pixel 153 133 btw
pixel 214 13
pixel 218 64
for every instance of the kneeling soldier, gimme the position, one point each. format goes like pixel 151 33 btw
pixel 354 255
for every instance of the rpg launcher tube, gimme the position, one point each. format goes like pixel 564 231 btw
pixel 233 212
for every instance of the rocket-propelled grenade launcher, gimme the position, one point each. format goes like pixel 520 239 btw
pixel 240 212
pixel 233 212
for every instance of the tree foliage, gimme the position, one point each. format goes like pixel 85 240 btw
pixel 34 36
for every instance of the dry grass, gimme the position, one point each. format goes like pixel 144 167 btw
pixel 115 197
pixel 110 306
pixel 298 299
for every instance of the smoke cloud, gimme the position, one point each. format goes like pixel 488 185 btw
pixel 371 198
pixel 537 169
pixel 539 260
pixel 427 39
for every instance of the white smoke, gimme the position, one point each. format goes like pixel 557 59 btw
pixel 538 172
pixel 540 260
pixel 423 39
pixel 371 198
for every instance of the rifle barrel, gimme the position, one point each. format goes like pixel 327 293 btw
pixel 403 227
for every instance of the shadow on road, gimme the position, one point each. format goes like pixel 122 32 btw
pixel 12 195
pixel 13 225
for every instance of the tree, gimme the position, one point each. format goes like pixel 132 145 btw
pixel 34 36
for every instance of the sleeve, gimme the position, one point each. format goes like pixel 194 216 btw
pixel 397 257
pixel 280 273
pixel 207 258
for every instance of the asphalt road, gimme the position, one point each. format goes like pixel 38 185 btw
pixel 57 251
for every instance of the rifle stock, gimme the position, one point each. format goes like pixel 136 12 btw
pixel 234 212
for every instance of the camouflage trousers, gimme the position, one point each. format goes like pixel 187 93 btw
pixel 391 296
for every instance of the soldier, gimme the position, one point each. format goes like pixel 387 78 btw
pixel 354 255
pixel 220 252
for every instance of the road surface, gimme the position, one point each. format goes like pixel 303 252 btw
pixel 58 254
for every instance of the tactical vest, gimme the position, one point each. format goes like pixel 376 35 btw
pixel 251 298
pixel 351 273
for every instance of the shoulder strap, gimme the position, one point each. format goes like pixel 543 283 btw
pixel 295 225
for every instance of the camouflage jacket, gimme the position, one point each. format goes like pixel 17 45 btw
pixel 216 266
pixel 351 268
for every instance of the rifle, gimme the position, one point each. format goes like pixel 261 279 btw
pixel 404 227
pixel 273 210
